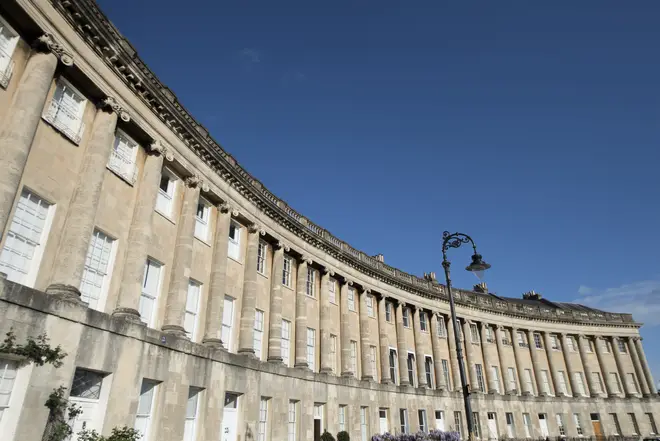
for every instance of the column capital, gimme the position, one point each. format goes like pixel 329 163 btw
pixel 255 228
pixel 636 339
pixel 157 148
pixel 110 104
pixel 226 207
pixel 47 43
pixel 599 337
pixel 581 337
pixel 305 259
pixel 366 291
pixel 193 181
pixel 281 245
pixel 327 270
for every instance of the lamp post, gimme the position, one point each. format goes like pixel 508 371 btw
pixel 478 266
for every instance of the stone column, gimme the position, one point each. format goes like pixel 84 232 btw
pixel 469 355
pixel 641 378
pixel 346 370
pixel 419 346
pixel 519 366
pixel 139 236
pixel 385 377
pixel 175 307
pixel 249 300
pixel 536 364
pixel 401 348
pixel 569 365
pixel 588 372
pixel 440 383
pixel 551 364
pixel 598 343
pixel 326 362
pixel 619 366
pixel 21 121
pixel 645 365
pixel 500 354
pixel 79 223
pixel 218 282
pixel 453 355
pixel 364 337
pixel 488 362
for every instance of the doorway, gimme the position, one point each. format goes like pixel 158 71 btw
pixel 318 421
pixel 543 425
pixel 492 426
pixel 595 424
pixel 382 417
pixel 230 417
pixel 440 420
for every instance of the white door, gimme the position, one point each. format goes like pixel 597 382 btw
pixel 439 420
pixel 492 426
pixel 382 413
pixel 87 419
pixel 229 419
pixel 543 425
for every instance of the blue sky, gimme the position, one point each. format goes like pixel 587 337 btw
pixel 534 127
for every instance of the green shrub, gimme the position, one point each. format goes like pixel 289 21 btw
pixel 118 434
pixel 343 436
pixel 327 436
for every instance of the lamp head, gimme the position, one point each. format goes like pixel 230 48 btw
pixel 478 266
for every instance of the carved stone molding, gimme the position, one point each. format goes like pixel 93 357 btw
pixel 255 228
pixel 328 271
pixel 305 258
pixel 110 104
pixel 192 181
pixel 279 244
pixel 47 43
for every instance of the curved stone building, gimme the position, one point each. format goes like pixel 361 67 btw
pixel 194 304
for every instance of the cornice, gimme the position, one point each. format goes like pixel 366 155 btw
pixel 97 31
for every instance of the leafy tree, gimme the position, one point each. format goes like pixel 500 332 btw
pixel 343 436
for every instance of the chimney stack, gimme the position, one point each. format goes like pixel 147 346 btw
pixel 481 288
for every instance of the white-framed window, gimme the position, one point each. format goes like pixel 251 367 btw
pixel 578 424
pixel 342 417
pixel 258 337
pixel 262 250
pixel 529 381
pixel 490 338
pixel 293 417
pixel 286 342
pixel 445 373
pixel 477 425
pixel 65 111
pixel 428 368
pixel 411 368
pixel 496 378
pixel 192 308
pixel 405 314
pixel 506 337
pixel 202 219
pixel 388 312
pixel 333 352
pixel 8 372
pixel 590 346
pixel 192 412
pixel 458 423
pixel 545 379
pixel 394 376
pixel 26 239
pixel 144 412
pixel 554 341
pixel 538 343
pixel 633 424
pixel 354 358
pixel 522 339
pixel 228 322
pixel 372 360
pixel 563 384
pixel 474 333
pixel 423 326
pixel 616 383
pixel 8 40
pixel 97 271
pixel 561 427
pixel 234 250
pixel 607 346
pixel 370 305
pixel 621 345
pixel 480 378
pixel 166 191
pixel 150 292
pixel 123 156
pixel 570 343
pixel 332 290
pixel 615 423
pixel 598 382
pixel 527 424
pixel 579 379
pixel 311 348
pixel 364 423
pixel 510 425
pixel 286 271
pixel 654 428
pixel 86 394
pixel 403 419
pixel 351 299
pixel 441 327
pixel 632 382
pixel 423 424
pixel 511 377
pixel 310 282
pixel 263 419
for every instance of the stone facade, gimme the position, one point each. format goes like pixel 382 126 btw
pixel 167 272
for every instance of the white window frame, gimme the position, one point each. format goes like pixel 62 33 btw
pixel 578 424
pixel 6 55
pixel 570 343
pixel 310 282
pixel 538 342
pixel 286 341
pixel 423 325
pixel 597 381
pixel 388 312
pixel 561 425
pixel 622 346
pixel 52 110
pixel 411 368
pixel 496 378
pixel 429 371
pixel 481 384
pixel 633 424
pixel 104 273
pixel 364 423
pixel 372 360
pixel 652 425
pixel 445 373
pixel 29 277
pixel 405 316
pixel 423 422
pixel 151 321
pixel 529 380
pixel 392 362
pixel 403 419
pixel 228 322
pixel 370 305
pixel 615 422
pixel 511 378
pixel 563 383
pixel 292 425
pixel 192 309
pixel 234 243
pixel 342 417
pixel 617 382
pixel 262 429
pixel 190 433
pixel 510 425
pixel 579 379
pixel 555 343
pixel 258 336
pixel 311 349
pixel 350 299
pixel 353 358
pixel 632 383
pixel 332 290
pixel 165 198
pixel 122 160
pixel 203 220
pixel 333 353
pixel 150 416
pixel 441 327
pixel 474 333
pixel 286 271
pixel 527 424
pixel 545 379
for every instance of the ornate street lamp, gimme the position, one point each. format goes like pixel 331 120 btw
pixel 478 266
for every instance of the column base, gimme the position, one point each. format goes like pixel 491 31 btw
pixel 175 331
pixel 213 343
pixel 275 360
pixel 512 392
pixel 385 381
pixel 404 383
pixel 246 351
pixel 326 370
pixel 527 394
pixel 367 378
pixel 68 293
pixel 128 314
pixel 300 365
pixel 647 395
pixel 348 375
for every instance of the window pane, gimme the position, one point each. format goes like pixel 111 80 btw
pixel 86 384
